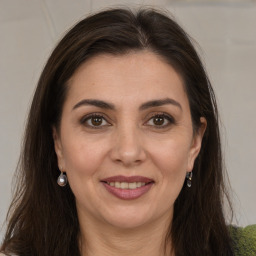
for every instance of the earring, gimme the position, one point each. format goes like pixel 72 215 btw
pixel 189 179
pixel 62 180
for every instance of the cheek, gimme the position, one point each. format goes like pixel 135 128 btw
pixel 171 160
pixel 82 158
pixel 82 161
pixel 172 156
pixel 170 163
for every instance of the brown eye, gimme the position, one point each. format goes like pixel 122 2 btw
pixel 158 120
pixel 96 121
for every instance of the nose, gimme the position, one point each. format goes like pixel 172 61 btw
pixel 127 147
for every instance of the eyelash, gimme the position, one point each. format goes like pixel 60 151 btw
pixel 89 117
pixel 170 120
pixel 94 115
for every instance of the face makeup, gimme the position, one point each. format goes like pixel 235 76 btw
pixel 126 139
pixel 127 188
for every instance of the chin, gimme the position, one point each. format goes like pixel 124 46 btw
pixel 125 218
pixel 127 223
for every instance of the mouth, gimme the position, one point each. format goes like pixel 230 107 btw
pixel 127 187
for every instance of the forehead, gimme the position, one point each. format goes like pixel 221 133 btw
pixel 141 75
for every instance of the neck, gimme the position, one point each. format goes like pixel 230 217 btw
pixel 109 240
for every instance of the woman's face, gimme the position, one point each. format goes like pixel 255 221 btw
pixel 126 139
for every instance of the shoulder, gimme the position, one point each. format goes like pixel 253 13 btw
pixel 244 240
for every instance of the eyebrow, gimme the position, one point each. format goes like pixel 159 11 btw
pixel 158 103
pixel 96 103
pixel 144 106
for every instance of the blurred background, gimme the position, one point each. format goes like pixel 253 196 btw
pixel 225 36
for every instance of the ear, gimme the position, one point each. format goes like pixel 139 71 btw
pixel 196 144
pixel 58 148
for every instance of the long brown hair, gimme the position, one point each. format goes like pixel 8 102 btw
pixel 42 217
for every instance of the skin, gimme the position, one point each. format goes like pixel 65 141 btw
pixel 127 141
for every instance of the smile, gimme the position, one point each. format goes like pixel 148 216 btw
pixel 127 188
pixel 126 185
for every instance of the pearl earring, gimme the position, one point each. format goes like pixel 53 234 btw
pixel 189 179
pixel 62 180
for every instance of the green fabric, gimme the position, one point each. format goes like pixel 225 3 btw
pixel 244 240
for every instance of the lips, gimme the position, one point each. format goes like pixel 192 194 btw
pixel 128 179
pixel 127 188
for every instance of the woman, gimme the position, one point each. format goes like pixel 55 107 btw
pixel 122 116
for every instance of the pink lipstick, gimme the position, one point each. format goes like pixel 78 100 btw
pixel 127 187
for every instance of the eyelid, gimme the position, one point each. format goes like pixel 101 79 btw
pixel 170 119
pixel 87 117
pixel 164 115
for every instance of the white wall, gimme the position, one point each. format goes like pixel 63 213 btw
pixel 226 33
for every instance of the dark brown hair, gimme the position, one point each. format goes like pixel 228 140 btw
pixel 42 217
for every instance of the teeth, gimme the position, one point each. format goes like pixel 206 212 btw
pixel 126 185
pixel 116 184
pixel 132 185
